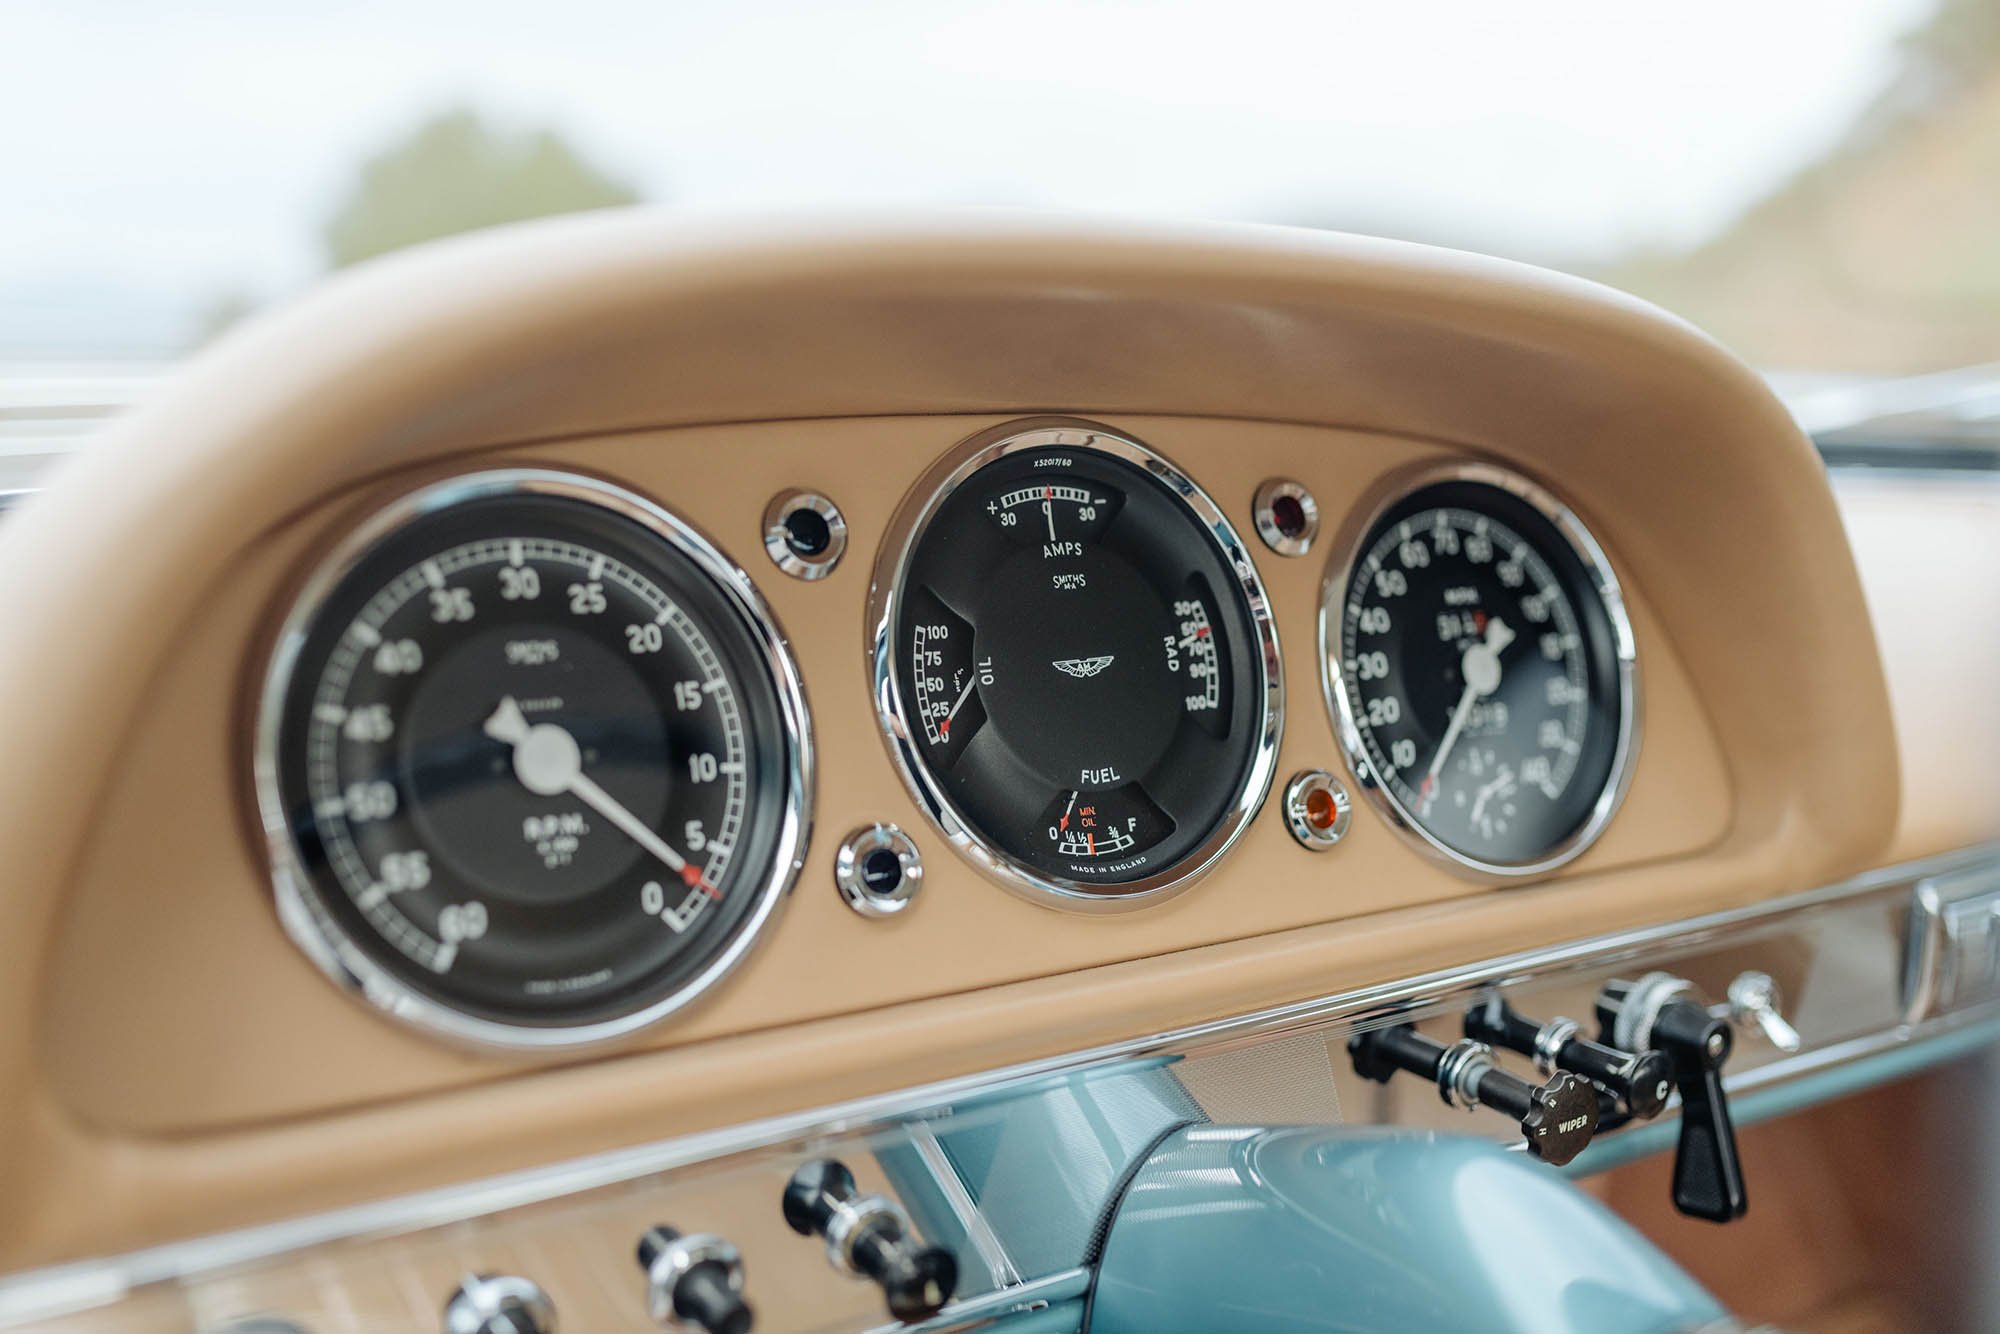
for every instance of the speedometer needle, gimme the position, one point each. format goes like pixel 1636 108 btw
pixel 1481 669
pixel 549 763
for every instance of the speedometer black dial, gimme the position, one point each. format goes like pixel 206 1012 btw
pixel 533 761
pixel 1076 667
pixel 1481 668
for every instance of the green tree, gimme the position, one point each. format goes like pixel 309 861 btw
pixel 457 174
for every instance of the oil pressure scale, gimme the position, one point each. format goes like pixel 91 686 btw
pixel 1076 669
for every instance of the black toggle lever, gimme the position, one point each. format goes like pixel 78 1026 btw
pixel 869 1237
pixel 1638 1081
pixel 1663 1013
pixel 1557 1117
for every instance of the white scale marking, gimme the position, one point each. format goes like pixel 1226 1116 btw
pixel 446 956
pixel 365 635
pixel 664 617
pixel 433 575
pixel 330 713
pixel 371 896
pixel 331 809
pixel 514 553
pixel 596 568
pixel 731 766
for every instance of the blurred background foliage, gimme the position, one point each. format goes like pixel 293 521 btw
pixel 456 173
pixel 1885 252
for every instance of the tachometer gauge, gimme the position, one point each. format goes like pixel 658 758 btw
pixel 1481 670
pixel 1075 665
pixel 532 761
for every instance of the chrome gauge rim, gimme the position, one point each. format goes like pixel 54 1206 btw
pixel 1602 583
pixel 884 604
pixel 329 944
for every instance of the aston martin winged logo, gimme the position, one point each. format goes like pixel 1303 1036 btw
pixel 1082 667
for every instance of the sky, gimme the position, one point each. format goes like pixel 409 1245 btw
pixel 156 159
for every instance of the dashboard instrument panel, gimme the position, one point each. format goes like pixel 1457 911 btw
pixel 638 348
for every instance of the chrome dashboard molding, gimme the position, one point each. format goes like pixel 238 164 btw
pixel 81 1285
pixel 322 939
pixel 1604 581
pixel 885 594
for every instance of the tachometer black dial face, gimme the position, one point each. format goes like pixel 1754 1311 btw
pixel 1480 664
pixel 1083 669
pixel 536 762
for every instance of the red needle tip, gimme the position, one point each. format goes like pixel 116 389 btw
pixel 692 874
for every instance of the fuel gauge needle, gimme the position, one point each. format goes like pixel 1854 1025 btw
pixel 549 763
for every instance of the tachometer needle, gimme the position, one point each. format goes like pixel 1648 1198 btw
pixel 1481 669
pixel 549 763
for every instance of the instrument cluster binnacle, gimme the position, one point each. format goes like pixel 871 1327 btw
pixel 535 768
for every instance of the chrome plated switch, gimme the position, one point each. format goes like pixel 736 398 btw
pixel 1754 1001
pixel 499 1304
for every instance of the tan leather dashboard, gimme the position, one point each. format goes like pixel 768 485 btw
pixel 175 1066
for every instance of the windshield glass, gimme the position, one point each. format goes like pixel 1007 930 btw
pixel 1812 181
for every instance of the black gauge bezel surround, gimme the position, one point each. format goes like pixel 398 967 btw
pixel 1560 539
pixel 582 511
pixel 1258 691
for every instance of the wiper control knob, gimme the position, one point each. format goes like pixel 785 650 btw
pixel 1557 1117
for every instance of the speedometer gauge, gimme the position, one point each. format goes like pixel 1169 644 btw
pixel 1075 665
pixel 1481 670
pixel 532 761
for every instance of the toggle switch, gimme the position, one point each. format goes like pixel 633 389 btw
pixel 1663 1013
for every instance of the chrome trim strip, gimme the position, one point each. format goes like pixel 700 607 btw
pixel 313 928
pixel 979 1233
pixel 74 1286
pixel 1597 569
pixel 885 594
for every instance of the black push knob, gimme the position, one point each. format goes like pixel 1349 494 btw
pixel 868 1236
pixel 693 1281
pixel 1639 1081
pixel 1664 1014
pixel 1557 1117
